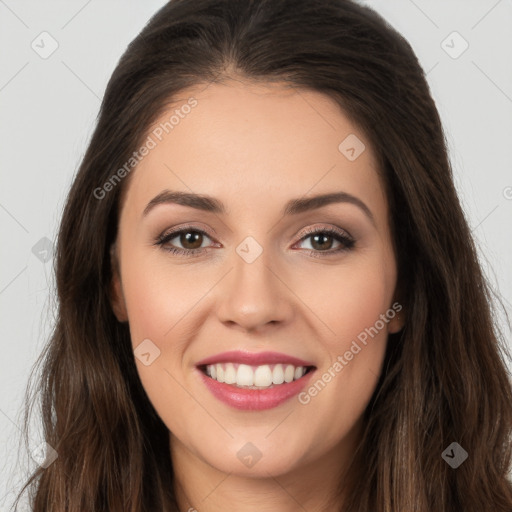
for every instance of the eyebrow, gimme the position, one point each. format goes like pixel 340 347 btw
pixel 292 207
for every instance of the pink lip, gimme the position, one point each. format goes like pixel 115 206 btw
pixel 255 399
pixel 253 359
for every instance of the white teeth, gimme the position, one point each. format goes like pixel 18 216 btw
pixel 245 375
pixel 230 374
pixel 264 376
pixel 220 373
pixel 288 373
pixel 278 374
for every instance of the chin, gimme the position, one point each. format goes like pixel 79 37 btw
pixel 254 459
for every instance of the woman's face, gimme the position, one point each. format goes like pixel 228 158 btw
pixel 286 282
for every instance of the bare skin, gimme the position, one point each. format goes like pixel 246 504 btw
pixel 255 147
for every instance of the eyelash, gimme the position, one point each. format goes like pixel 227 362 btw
pixel 346 241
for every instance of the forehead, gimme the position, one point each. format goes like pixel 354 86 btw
pixel 242 140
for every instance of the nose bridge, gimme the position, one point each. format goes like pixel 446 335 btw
pixel 254 295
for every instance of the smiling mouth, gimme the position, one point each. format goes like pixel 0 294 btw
pixel 264 376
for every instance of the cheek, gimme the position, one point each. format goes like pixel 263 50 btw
pixel 355 345
pixel 352 299
pixel 157 296
pixel 159 300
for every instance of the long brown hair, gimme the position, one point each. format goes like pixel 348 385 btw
pixel 444 378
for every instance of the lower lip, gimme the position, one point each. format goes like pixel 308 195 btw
pixel 255 399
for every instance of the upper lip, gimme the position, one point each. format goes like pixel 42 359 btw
pixel 253 358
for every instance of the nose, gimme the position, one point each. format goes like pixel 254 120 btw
pixel 255 295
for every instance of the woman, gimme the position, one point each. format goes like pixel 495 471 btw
pixel 247 371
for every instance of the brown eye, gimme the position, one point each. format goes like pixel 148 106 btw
pixel 191 241
pixel 322 241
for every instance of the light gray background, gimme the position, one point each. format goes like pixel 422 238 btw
pixel 48 109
